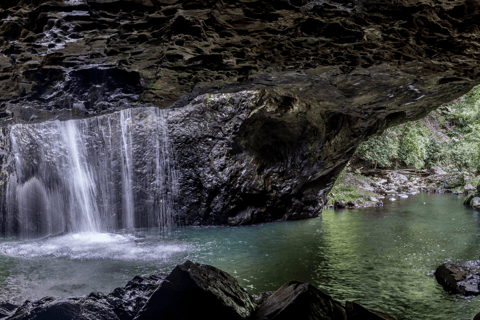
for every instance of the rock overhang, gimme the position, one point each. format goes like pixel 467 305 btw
pixel 318 78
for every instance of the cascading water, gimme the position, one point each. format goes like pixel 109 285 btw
pixel 113 172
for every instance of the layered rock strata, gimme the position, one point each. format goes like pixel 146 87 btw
pixel 277 95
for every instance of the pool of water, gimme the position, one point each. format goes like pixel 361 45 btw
pixel 382 258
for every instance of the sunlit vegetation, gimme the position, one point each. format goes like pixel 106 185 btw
pixel 449 137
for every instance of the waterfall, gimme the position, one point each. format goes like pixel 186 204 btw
pixel 113 172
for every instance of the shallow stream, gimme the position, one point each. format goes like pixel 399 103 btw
pixel 382 258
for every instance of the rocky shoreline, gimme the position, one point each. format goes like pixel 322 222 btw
pixel 389 185
pixel 192 291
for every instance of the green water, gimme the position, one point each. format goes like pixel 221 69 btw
pixel 382 258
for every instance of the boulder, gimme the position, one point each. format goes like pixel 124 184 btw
pixel 296 300
pixel 390 192
pixel 262 296
pixel 358 312
pixel 50 308
pixel 6 309
pixel 198 291
pixel 437 170
pixel 129 300
pixel 475 203
pixel 461 277
pixel 469 187
pixel 121 304
pixel 397 178
pixel 340 204
pixel 351 204
pixel 369 198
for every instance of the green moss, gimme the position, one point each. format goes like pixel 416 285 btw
pixel 349 188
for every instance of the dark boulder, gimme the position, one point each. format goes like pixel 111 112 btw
pixel 296 300
pixel 6 309
pixel 262 296
pixel 477 317
pixel 461 277
pixel 357 312
pixel 339 204
pixel 198 291
pixel 121 304
pixel 49 308
pixel 129 300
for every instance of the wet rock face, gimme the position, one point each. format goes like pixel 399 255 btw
pixel 193 290
pixel 269 99
pixel 257 161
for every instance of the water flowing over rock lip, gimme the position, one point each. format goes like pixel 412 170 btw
pixel 112 172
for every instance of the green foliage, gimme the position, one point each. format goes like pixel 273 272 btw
pixel 465 153
pixel 436 155
pixel 465 112
pixel 380 150
pixel 412 147
pixel 458 143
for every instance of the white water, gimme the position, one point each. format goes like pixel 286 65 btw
pixel 94 246
pixel 127 168
pixel 113 172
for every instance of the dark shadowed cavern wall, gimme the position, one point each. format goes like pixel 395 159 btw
pixel 267 100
